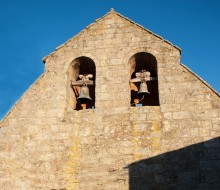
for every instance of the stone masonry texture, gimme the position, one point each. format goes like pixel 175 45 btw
pixel 47 145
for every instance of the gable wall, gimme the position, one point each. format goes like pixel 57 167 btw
pixel 47 145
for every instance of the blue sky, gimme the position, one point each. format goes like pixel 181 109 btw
pixel 31 29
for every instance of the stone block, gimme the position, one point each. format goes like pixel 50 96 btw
pixel 181 115
pixel 116 61
pixel 204 132
pixel 194 132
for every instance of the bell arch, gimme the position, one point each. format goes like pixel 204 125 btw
pixel 80 70
pixel 143 80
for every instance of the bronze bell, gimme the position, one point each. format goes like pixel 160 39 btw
pixel 84 95
pixel 143 91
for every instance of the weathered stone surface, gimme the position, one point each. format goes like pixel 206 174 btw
pixel 46 144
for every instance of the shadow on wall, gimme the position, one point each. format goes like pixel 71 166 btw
pixel 194 167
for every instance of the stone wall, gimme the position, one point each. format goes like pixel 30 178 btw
pixel 45 144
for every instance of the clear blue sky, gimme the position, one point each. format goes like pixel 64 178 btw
pixel 31 29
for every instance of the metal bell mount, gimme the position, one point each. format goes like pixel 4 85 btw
pixel 84 96
pixel 143 76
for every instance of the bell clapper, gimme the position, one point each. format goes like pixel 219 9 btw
pixel 141 98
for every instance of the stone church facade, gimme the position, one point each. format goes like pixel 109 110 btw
pixel 166 139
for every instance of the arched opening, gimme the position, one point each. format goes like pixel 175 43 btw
pixel 81 68
pixel 144 63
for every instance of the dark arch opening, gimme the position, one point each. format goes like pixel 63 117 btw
pixel 82 66
pixel 144 61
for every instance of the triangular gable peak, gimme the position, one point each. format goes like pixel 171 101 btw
pixel 112 12
pixel 148 31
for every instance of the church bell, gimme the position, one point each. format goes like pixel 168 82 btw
pixel 143 91
pixel 84 95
